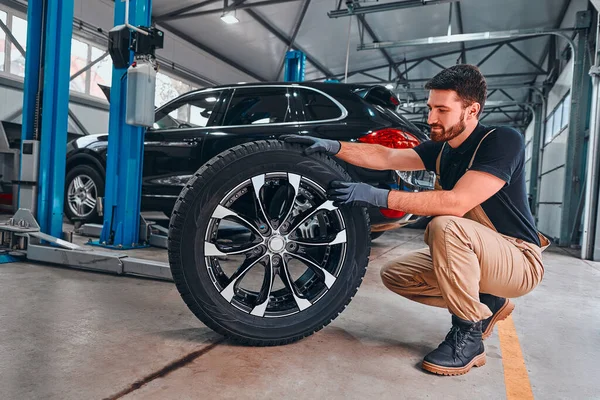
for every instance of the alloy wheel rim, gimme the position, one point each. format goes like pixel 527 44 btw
pixel 81 196
pixel 275 245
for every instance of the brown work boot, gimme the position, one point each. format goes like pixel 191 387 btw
pixel 500 307
pixel 459 352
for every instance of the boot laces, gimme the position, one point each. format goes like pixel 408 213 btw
pixel 455 338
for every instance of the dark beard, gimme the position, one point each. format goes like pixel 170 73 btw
pixel 446 135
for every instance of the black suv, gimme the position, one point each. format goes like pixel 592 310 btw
pixel 201 124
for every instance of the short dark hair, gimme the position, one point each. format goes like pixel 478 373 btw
pixel 466 80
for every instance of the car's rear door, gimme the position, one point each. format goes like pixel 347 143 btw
pixel 253 113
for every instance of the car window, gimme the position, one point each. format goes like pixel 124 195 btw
pixel 259 106
pixel 189 112
pixel 318 107
pixel 379 96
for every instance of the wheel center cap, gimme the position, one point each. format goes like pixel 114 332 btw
pixel 276 244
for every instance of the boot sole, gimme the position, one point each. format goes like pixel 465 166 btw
pixel 501 315
pixel 478 361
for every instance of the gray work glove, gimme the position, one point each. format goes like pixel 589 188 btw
pixel 316 145
pixel 357 194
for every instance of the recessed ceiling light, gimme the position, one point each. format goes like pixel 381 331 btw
pixel 229 18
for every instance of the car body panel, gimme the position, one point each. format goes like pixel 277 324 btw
pixel 174 151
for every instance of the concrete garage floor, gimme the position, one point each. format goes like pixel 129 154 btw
pixel 69 334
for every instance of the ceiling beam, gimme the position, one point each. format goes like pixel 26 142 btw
pixel 489 76
pixel 469 37
pixel 374 38
pixel 353 10
pixel 288 41
pixel 420 59
pixel 526 58
pixel 212 52
pixel 491 53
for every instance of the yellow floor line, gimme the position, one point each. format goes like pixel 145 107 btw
pixel 516 378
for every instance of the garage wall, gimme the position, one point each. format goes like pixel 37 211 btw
pixel 552 168
pixel 92 113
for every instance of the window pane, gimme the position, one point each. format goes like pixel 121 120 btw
pixel 79 60
pixel 548 132
pixel 528 150
pixel 317 107
pixel 101 73
pixel 19 31
pixel 557 120
pixel 168 88
pixel 192 112
pixel 2 41
pixel 566 110
pixel 202 108
pixel 258 106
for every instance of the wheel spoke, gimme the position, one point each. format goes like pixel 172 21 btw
pixel 89 185
pixel 262 301
pixel 90 202
pixel 328 205
pixel 229 291
pixel 77 183
pixel 222 212
pixel 211 250
pixel 258 182
pixel 339 238
pixel 301 302
pixel 81 209
pixel 294 181
pixel 322 273
pixel 72 198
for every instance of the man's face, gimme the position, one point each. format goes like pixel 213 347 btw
pixel 446 115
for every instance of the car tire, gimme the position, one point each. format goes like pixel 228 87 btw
pixel 83 185
pixel 250 177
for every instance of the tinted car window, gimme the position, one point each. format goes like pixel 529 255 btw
pixel 189 112
pixel 317 107
pixel 379 96
pixel 259 106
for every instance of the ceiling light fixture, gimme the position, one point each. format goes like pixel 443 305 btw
pixel 229 17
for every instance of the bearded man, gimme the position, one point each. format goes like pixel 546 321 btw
pixel 482 244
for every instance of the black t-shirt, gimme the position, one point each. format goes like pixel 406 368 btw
pixel 502 154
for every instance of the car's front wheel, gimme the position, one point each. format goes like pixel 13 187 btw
pixel 83 186
pixel 257 251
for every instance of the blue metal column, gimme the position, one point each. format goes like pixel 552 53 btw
pixel 55 100
pixel 125 150
pixel 33 64
pixel 295 66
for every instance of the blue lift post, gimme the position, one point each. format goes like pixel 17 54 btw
pixel 121 227
pixel 295 66
pixel 50 29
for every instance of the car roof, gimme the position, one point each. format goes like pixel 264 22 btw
pixel 324 86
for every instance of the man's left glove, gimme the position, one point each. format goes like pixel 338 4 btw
pixel 357 194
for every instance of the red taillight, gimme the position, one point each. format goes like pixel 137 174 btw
pixel 395 101
pixel 396 139
pixel 391 137
pixel 392 214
